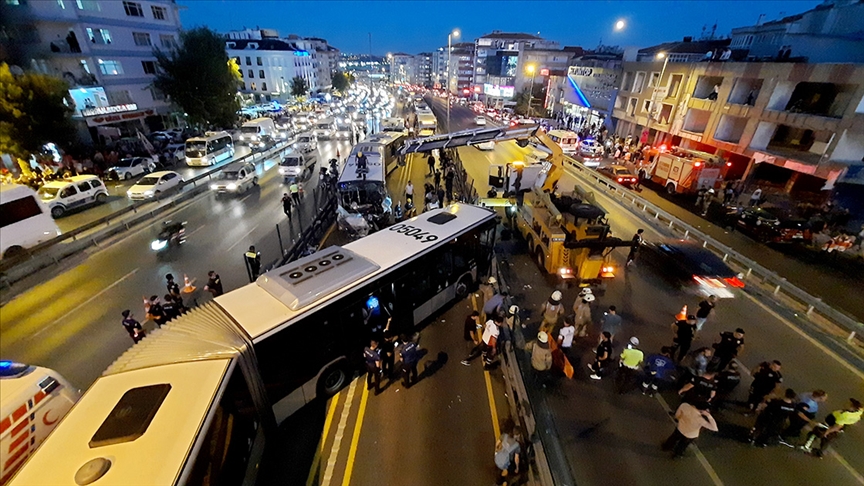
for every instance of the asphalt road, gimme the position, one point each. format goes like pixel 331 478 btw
pixel 621 435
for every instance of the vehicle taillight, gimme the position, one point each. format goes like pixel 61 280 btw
pixel 735 282
pixel 607 272
pixel 697 164
pixel 565 272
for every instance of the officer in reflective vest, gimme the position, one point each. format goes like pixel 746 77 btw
pixel 253 262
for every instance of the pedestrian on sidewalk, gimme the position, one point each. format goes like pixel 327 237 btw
pixel 771 420
pixel 449 176
pixel 691 420
pixel 728 194
pixel 603 356
pixel 132 326
pixel 833 427
pixel 582 312
pixel 684 332
pixel 756 197
pixel 611 322
pixel 628 366
pixel 214 284
pixel 636 243
pixel 766 378
pixel 372 356
pixel 437 178
pixel 705 308
pixel 551 310
pixel 731 343
pixel 430 160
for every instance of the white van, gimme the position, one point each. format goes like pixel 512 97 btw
pixel 259 132
pixel 34 400
pixel 235 178
pixel 296 166
pixel 24 220
pixel 72 192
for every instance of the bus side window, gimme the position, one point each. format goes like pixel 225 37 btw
pixel 225 453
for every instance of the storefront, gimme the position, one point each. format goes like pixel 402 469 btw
pixel 586 96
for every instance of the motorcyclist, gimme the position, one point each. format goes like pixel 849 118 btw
pixel 172 232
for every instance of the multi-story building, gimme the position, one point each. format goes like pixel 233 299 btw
pixel 586 93
pixel 268 65
pixel 423 69
pixel 365 66
pixel 830 32
pixel 460 74
pixel 497 67
pixel 439 67
pixel 401 68
pixel 799 124
pixel 103 50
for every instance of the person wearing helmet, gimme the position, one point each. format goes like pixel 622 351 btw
pixel 628 366
pixel 582 312
pixel 361 161
pixel 551 310
pixel 488 288
pixel 541 355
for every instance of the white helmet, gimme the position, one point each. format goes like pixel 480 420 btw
pixel 514 310
pixel 491 281
pixel 585 291
pixel 588 298
pixel 556 295
pixel 543 337
pixel 634 341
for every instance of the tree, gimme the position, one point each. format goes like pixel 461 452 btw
pixel 34 109
pixel 299 86
pixel 341 81
pixel 523 97
pixel 197 76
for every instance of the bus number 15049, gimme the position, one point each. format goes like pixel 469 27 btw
pixel 417 233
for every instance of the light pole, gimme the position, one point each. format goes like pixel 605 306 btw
pixel 450 36
pixel 659 55
pixel 531 70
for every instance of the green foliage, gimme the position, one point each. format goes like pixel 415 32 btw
pixel 198 77
pixel 299 86
pixel 523 97
pixel 33 112
pixel 341 81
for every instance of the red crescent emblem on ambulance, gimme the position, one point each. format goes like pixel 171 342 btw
pixel 48 422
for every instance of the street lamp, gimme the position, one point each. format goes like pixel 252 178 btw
pixel 658 56
pixel 450 36
pixel 532 69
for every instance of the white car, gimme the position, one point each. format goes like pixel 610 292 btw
pixel 72 192
pixel 480 121
pixel 154 184
pixel 305 143
pixel 131 167
pixel 235 178
pixel 488 145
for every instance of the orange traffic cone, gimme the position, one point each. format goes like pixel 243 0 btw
pixel 337 153
pixel 682 316
pixel 188 288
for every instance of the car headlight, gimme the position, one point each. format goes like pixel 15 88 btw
pixel 148 193
pixel 214 187
pixel 231 186
pixel 129 193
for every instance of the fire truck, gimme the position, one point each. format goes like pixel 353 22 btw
pixel 685 171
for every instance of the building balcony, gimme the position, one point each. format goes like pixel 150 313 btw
pixel 801 120
pixel 791 153
pixel 733 109
pixel 701 104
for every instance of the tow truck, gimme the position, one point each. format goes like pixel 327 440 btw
pixel 567 234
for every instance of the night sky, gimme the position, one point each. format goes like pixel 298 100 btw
pixel 415 27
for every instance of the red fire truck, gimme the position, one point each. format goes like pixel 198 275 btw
pixel 685 171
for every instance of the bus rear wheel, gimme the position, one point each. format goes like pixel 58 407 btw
pixel 333 379
pixel 463 287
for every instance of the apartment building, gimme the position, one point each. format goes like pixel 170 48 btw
pixel 423 68
pixel 268 65
pixel 402 68
pixel 499 65
pixel 104 51
pixel 798 125
pixel 439 67
pixel 460 79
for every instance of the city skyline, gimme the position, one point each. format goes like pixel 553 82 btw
pixel 428 31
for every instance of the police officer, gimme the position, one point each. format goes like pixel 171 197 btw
pixel 169 307
pixel 770 422
pixel 372 356
pixel 766 377
pixel 410 355
pixel 132 326
pixel 172 286
pixel 636 243
pixel 628 366
pixel 214 283
pixel 253 262
pixel 728 348
pixel 157 313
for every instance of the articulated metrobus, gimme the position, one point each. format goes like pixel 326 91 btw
pixel 210 149
pixel 195 402
pixel 365 192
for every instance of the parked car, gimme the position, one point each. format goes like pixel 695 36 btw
pixel 131 167
pixel 71 193
pixel 235 178
pixel 480 120
pixel 768 225
pixel 688 264
pixel 619 174
pixel 154 184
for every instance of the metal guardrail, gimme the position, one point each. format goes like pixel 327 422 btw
pixel 463 183
pixel 809 305
pixel 40 250
pixel 313 235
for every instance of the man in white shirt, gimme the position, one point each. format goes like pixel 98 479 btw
pixel 690 421
pixel 565 335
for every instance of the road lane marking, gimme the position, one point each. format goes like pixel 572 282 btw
pixel 352 449
pixel 702 459
pixel 316 461
pixel 340 432
pixel 243 237
pixel 496 429
pixel 91 299
pixel 845 463
pixel 196 230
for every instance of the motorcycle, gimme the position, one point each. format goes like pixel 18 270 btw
pixel 172 234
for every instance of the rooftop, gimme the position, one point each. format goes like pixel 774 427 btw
pixel 687 46
pixel 261 45
pixel 497 34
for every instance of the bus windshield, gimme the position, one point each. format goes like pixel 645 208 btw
pixel 196 149
pixel 361 194
pixel 252 129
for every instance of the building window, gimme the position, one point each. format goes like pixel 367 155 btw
pixel 242 86
pixel 159 13
pixel 167 40
pixel 133 9
pixel 258 60
pixel 263 86
pixel 110 68
pixel 251 73
pixel 646 106
pixel 149 67
pixel 142 39
pixel 120 97
pixel 654 80
pixel 261 73
pixel 631 108
pixel 248 61
pixel 99 36
pixel 674 85
pixel 639 82
pixel 157 94
pixel 253 86
pixel 91 5
pixel 241 72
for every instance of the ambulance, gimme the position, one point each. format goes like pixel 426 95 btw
pixel 32 402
